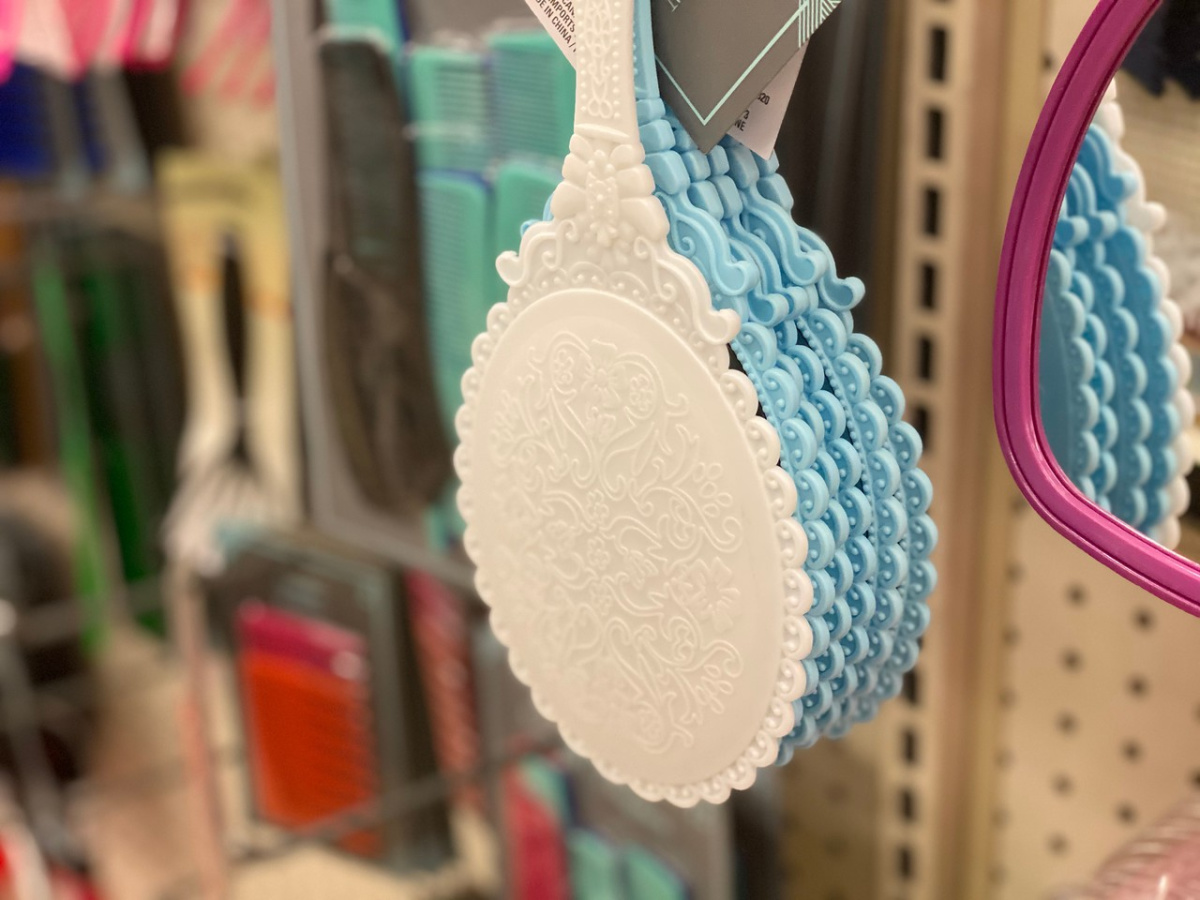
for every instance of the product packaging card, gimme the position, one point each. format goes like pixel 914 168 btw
pixel 715 57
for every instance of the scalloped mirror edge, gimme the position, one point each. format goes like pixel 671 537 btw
pixel 1065 118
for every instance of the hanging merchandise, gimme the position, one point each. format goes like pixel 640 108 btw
pixel 335 719
pixel 27 135
pixel 442 638
pixel 534 94
pixel 153 33
pixel 44 39
pixel 448 92
pixel 625 503
pixel 380 372
pixel 1114 388
pixel 239 456
pixel 491 122
pixel 117 322
pixel 10 32
pixel 106 108
pixel 234 61
pixel 449 103
pixel 381 19
pixel 25 429
pixel 1161 863
pixel 92 578
pixel 722 68
pixel 38 528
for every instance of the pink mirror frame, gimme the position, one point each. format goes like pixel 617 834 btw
pixel 1077 94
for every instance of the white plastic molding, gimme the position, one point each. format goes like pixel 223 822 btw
pixel 625 507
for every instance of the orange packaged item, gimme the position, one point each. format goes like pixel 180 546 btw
pixel 306 698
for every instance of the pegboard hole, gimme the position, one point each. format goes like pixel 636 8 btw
pixel 1072 660
pixel 935 131
pixel 920 421
pixel 1063 785
pixel 908 805
pixel 910 747
pixel 1196 779
pixel 1138 686
pixel 939 43
pixel 931 216
pixel 905 863
pixel 925 359
pixel 1127 813
pixel 1076 595
pixel 929 285
pixel 911 687
pixel 1058 845
pixel 1131 750
pixel 1067 723
pixel 1008 698
pixel 1143 619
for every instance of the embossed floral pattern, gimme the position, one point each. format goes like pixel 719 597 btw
pixel 704 587
pixel 575 441
pixel 605 187
pixel 640 597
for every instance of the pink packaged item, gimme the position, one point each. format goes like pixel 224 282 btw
pixel 1163 863
pixel 10 30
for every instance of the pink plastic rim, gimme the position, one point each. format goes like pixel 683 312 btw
pixel 1077 94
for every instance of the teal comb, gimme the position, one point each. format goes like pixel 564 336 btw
pixel 448 96
pixel 455 242
pixel 595 867
pixel 649 878
pixel 458 279
pixel 533 94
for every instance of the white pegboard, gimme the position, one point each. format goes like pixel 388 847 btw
pixel 1100 715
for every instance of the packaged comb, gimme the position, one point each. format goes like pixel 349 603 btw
pixel 322 648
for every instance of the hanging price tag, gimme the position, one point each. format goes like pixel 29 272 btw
pixel 717 60
pixel 758 127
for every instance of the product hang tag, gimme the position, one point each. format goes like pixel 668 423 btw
pixel 758 127
pixel 558 18
pixel 715 57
